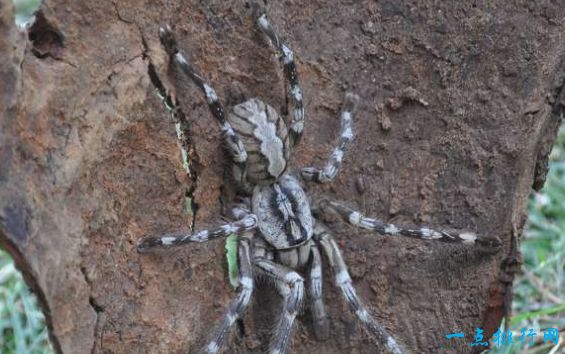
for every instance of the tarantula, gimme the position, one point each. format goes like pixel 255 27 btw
pixel 278 236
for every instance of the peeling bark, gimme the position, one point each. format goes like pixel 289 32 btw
pixel 460 106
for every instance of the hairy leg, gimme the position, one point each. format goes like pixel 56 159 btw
pixel 291 286
pixel 294 93
pixel 246 222
pixel 232 140
pixel 315 298
pixel 343 281
pixel 330 170
pixel 240 303
pixel 355 218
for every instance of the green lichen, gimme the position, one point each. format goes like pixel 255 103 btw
pixel 188 205
pixel 231 255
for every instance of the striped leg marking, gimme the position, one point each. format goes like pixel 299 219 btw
pixel 232 140
pixel 320 318
pixel 333 165
pixel 291 286
pixel 294 94
pixel 343 282
pixel 239 304
pixel 357 219
pixel 249 222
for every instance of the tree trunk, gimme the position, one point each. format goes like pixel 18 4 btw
pixel 460 103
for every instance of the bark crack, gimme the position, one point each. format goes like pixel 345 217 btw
pixel 556 101
pixel 96 307
pixel 184 132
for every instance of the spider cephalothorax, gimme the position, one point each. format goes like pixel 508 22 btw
pixel 278 235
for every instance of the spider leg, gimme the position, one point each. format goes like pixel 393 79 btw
pixel 239 227
pixel 240 303
pixel 291 286
pixel 286 57
pixel 314 291
pixel 333 164
pixel 232 140
pixel 343 281
pixel 355 218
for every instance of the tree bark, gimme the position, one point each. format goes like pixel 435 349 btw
pixel 460 103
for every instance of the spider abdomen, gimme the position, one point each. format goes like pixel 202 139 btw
pixel 283 213
pixel 265 137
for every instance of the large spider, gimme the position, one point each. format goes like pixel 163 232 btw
pixel 278 236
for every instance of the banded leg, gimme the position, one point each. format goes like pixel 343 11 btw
pixel 247 223
pixel 320 318
pixel 357 219
pixel 239 304
pixel 286 57
pixel 331 168
pixel 291 286
pixel 232 140
pixel 343 281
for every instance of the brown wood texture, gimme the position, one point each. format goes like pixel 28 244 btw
pixel 460 102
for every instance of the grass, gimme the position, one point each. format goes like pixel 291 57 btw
pixel 22 325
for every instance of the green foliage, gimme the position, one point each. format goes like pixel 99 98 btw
pixel 22 325
pixel 24 9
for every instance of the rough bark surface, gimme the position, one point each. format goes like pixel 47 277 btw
pixel 460 105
